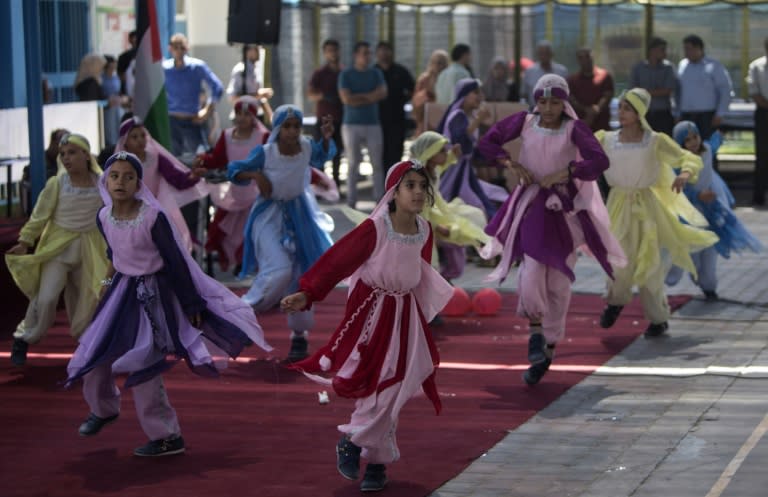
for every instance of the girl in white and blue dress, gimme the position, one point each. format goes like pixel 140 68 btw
pixel 285 232
pixel 711 196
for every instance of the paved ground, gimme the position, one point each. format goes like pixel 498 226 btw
pixel 678 416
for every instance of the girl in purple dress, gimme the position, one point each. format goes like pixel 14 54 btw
pixel 157 307
pixel 555 210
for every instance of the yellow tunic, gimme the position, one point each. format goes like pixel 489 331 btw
pixel 645 212
pixel 57 228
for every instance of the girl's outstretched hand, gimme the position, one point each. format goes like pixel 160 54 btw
pixel 294 302
pixel 20 248
pixel 680 181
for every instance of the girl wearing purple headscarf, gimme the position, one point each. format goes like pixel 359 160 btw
pixel 555 210
pixel 460 124
pixel 157 307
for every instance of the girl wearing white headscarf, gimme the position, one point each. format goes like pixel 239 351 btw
pixel 655 224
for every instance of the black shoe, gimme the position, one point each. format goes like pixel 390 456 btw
pixel 375 478
pixel 158 448
pixel 535 373
pixel 94 424
pixel 536 345
pixel 654 330
pixel 710 295
pixel 610 315
pixel 19 352
pixel 348 458
pixel 299 349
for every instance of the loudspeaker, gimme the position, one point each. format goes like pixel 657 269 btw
pixel 254 22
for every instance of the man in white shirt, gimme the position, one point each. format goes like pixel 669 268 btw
pixel 757 81
pixel 461 57
pixel 544 65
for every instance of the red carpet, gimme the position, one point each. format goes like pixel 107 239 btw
pixel 259 430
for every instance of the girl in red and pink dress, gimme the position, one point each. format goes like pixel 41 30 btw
pixel 554 211
pixel 383 352
pixel 233 202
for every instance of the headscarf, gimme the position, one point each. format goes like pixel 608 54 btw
pixel 142 193
pixel 427 145
pixel 682 129
pixel 463 88
pixel 81 142
pixel 251 104
pixel 495 89
pixel 640 100
pixel 552 85
pixel 395 175
pixel 280 115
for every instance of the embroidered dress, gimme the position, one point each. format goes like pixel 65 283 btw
pixel 383 353
pixel 645 213
pixel 285 233
pixel 70 255
pixel 142 325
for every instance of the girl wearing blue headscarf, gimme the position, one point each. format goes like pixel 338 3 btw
pixel 285 232
pixel 710 195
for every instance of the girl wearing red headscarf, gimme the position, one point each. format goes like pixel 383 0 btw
pixel 383 352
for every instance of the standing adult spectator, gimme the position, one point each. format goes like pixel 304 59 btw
pixel 110 84
pixel 124 60
pixel 657 75
pixel 497 86
pixel 591 91
pixel 757 81
pixel 361 88
pixel 89 77
pixel 244 80
pixel 324 91
pixel 461 57
pixel 400 85
pixel 424 91
pixel 184 76
pixel 545 64
pixel 704 92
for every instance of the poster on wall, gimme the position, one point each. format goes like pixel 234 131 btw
pixel 114 19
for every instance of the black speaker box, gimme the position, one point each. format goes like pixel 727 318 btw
pixel 254 22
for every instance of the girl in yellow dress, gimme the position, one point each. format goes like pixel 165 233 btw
pixel 456 224
pixel 70 255
pixel 655 225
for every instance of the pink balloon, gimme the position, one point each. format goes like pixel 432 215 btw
pixel 486 302
pixel 459 305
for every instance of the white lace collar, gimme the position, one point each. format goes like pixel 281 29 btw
pixel 128 223
pixel 641 144
pixel 68 187
pixel 549 131
pixel 415 239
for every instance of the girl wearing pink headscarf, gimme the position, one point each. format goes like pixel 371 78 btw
pixel 555 210
pixel 383 352
pixel 233 202
pixel 172 183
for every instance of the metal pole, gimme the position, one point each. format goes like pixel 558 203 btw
pixel 550 21
pixel 316 21
pixel 418 59
pixel 33 66
pixel 744 49
pixel 583 13
pixel 648 33
pixel 391 12
pixel 518 54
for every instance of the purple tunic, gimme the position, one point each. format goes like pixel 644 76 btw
pixel 142 325
pixel 548 224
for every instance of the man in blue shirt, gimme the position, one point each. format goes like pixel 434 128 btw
pixel 704 89
pixel 657 75
pixel 183 78
pixel 361 87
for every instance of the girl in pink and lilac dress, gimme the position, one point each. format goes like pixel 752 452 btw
pixel 555 210
pixel 157 307
pixel 172 183
pixel 383 353
pixel 232 201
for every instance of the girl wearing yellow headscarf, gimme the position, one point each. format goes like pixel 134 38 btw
pixel 655 224
pixel 456 225
pixel 71 254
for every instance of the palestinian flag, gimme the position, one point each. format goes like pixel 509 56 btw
pixel 150 103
